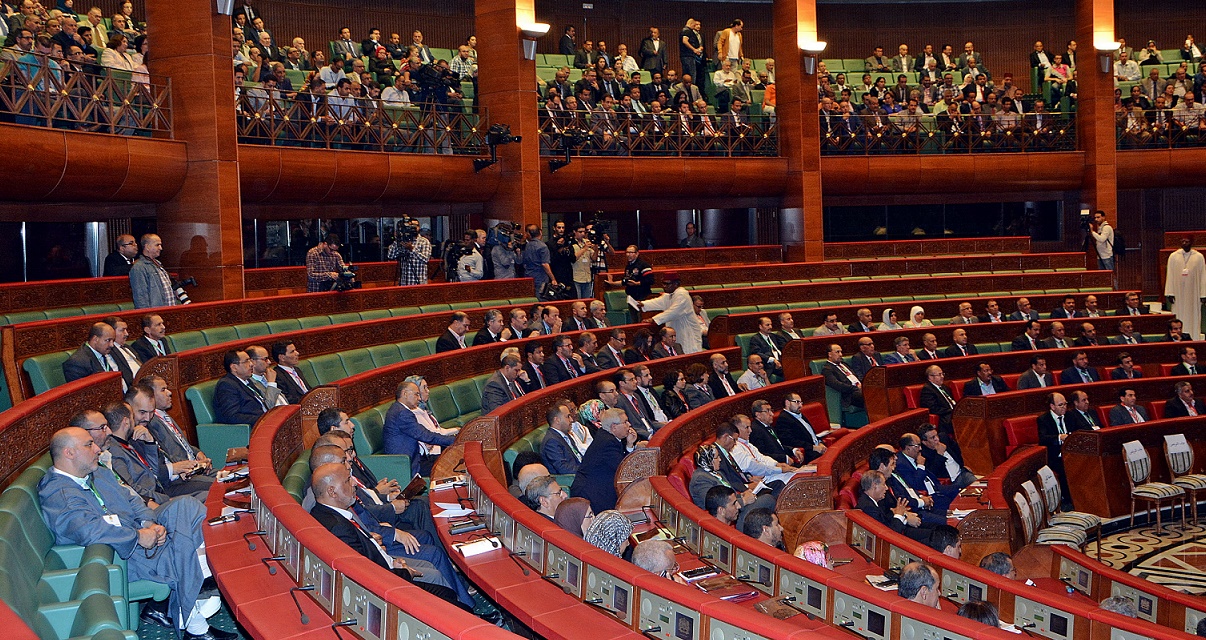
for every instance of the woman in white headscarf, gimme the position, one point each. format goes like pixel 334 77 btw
pixel 890 320
pixel 917 319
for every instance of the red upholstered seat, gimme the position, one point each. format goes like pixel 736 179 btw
pixel 848 494
pixel 1103 414
pixel 912 395
pixel 1021 430
pixel 815 414
pixel 1166 369
pixel 1155 409
pixel 677 479
pixel 955 387
pixel 1011 380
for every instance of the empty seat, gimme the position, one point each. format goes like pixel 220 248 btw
pixel 384 355
pixel 219 335
pixel 414 349
pixel 344 318
pixel 186 340
pixel 328 368
pixel 310 322
pixel 46 370
pixel 283 325
pixel 356 361
pixel 252 329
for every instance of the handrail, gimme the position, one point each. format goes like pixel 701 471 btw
pixel 1158 128
pixel 569 133
pixel 61 94
pixel 903 133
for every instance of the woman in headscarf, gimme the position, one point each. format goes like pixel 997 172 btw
pixel 813 551
pixel 889 320
pixel 917 319
pixel 609 532
pixel 588 415
pixel 574 514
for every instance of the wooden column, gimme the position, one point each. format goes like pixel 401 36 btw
pixel 801 220
pixel 507 90
pixel 1095 109
pixel 201 227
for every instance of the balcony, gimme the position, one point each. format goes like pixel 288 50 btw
pixel 901 134
pixel 114 101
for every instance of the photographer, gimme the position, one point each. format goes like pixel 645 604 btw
pixel 411 250
pixel 561 254
pixel 1103 239
pixel 505 252
pixel 469 264
pixel 637 280
pixel 324 265
pixel 584 255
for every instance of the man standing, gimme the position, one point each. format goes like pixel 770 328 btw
pixel 1185 286
pixel 535 260
pixel 653 52
pixel 121 260
pixel 567 46
pixel 323 265
pixel 412 255
pixel 149 281
pixel 677 312
pixel 637 280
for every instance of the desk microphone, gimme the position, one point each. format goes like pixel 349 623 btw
pixel 790 601
pixel 305 619
pixel 250 544
pixel 351 622
pixel 271 569
pixel 649 633
pixel 515 555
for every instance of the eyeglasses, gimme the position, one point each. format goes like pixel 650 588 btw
pixel 100 428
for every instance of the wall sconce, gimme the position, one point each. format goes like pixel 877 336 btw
pixel 225 7
pixel 1105 46
pixel 530 33
pixel 812 51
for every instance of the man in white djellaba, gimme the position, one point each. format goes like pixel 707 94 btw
pixel 677 312
pixel 1185 286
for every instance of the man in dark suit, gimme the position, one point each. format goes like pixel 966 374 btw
pixel 567 47
pixel 579 319
pixel 587 345
pixel 719 379
pixel 764 436
pixel 937 399
pixel 584 58
pixel 1189 363
pixel 1037 375
pixel 621 393
pixel 985 383
pixel 655 86
pixel 934 498
pixel 403 432
pixel 929 348
pixel 1080 372
pixel 1028 341
pixel 945 463
pixel 1053 427
pixel 533 354
pixel 596 475
pixel 236 401
pixel 154 339
pixel 1081 415
pixel 961 346
pixel 769 346
pixel 866 359
pixel 1127 335
pixel 611 356
pixel 453 337
pixel 795 433
pixel 564 363
pixel 558 450
pixel 873 499
pixel 491 330
pixel 1126 368
pixel 841 378
pixel 135 461
pixel 865 322
pixel 1183 403
pixel 368 46
pixel 94 356
pixel 501 387
pixel 1088 336
pixel 652 53
pixel 992 313
pixel 1024 311
pixel 119 262
pixel 1067 310
pixel 667 346
pixel 1132 307
pixel 1127 411
pixel 1059 337
pixel 289 378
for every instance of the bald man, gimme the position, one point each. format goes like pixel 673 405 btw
pixel 118 263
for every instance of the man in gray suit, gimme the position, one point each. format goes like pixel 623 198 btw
pixel 1037 375
pixel 1127 411
pixel 149 281
pixel 154 415
pixel 501 387
pixel 84 507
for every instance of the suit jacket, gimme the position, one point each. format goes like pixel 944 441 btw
pixel 115 263
pixel 497 392
pixel 1048 433
pixel 1080 420
pixel 1072 376
pixel 935 462
pixel 288 386
pixel 644 427
pixel 882 516
pixel 972 387
pixel 595 479
pixel 836 380
pixel 606 360
pixel 555 371
pixel 794 435
pixel 1125 311
pixel 957 320
pixel 557 453
pixel 672 404
pixel 567 46
pixel 83 363
pixel 718 388
pixel 1174 408
pixel 902 64
pixel 953 351
pixel 1084 342
pixel 483 337
pixel 447 342
pixel 1050 343
pixel 659 351
pixel 1017 315
pixel 1030 380
pixel 860 365
pixel 347 532
pixel 146 286
pixel 403 433
pixel 652 60
pixel 589 362
pixel 759 346
pixel 1062 314
pixel 1182 370
pixel 533 383
pixel 896 358
pixel 925 355
pixel 145 349
pixel 933 400
pixel 235 403
pixel 145 479
pixel 983 317
pixel 1119 374
pixel 767 440
pixel 1022 343
pixel 697 397
pixel 1119 415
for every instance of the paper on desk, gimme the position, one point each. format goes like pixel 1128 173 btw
pixel 447 505
pixel 1005 626
pixel 881 582
pixel 453 513
pixel 960 514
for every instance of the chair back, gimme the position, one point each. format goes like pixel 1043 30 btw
pixel 1138 465
pixel 1037 509
pixel 1023 507
pixel 1179 454
pixel 1051 491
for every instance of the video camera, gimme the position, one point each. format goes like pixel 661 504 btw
pixel 347 279
pixel 407 229
pixel 179 286
pixel 506 232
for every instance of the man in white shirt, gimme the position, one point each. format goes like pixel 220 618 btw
pixel 752 461
pixel 1125 70
pixel 755 375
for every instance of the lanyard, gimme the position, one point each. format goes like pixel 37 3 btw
pixel 98 495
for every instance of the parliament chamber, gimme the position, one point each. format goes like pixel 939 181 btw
pixel 245 236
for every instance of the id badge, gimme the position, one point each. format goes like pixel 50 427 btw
pixel 112 519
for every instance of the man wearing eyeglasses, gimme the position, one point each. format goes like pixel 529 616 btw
pixel 118 263
pixel 545 495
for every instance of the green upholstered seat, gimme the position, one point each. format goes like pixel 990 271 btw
pixel 384 355
pixel 328 368
pixel 186 340
pixel 356 361
pixel 252 330
pixel 46 370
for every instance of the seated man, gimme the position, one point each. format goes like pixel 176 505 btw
pixel 985 383
pixel 1088 336
pixel 588 345
pixel 769 346
pixel 1028 341
pixel 263 377
pixel 1126 334
pixel 657 557
pixel 1183 403
pixel 1080 372
pixel 132 453
pixel 405 433
pixel 559 450
pixel 938 400
pixel 919 583
pixel 667 345
pixel 1024 311
pixel 864 323
pixel 965 315
pixel 1189 363
pixel 901 353
pixel 719 379
pixel 502 386
pixel 1059 337
pixel 714 470
pixel 334 419
pixel 1067 310
pixel 929 347
pixel 336 509
pixel 154 338
pixel 1174 333
pixel 121 351
pixel 866 359
pixel 544 494
pixel 763 525
pixel 1037 375
pixel 842 379
pixel 533 354
pixel 945 540
pixel 722 503
pixel 961 346
pixel 628 397
pixel 453 337
pixel 292 383
pixel 1132 307
pixel 236 400
pixel 910 480
pixel 830 327
pixel 752 461
pixel 992 313
pixel 492 328
pixel 999 563
pixel 1126 368
pixel 595 479
pixel 94 356
pixel 1127 411
pixel 755 376
pixel 83 507
pixel 611 356
pixel 794 431
pixel 787 328
pixel 564 364
pixel 169 437
pixel 875 500
pixel 943 463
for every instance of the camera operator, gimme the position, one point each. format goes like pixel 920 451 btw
pixel 637 280
pixel 505 252
pixel 469 264
pixel 411 250
pixel 584 257
pixel 561 254
pixel 324 265
pixel 1103 239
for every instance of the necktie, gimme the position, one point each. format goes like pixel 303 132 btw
pixel 301 384
pixel 774 349
pixel 1060 421
pixel 539 376
pixel 573 371
pixel 962 350
pixel 166 419
pixel 1060 342
pixel 1089 419
pixel 1032 347
pixel 258 396
pixel 1084 375
pixel 1193 371
pixel 158 347
pixel 573 446
pixel 871 361
pixel 946 395
pixel 1189 407
pixel 1135 417
pixel 724 381
pixel 105 364
pixel 515 390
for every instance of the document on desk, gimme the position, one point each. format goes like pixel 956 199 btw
pixel 960 514
pixel 451 510
pixel 882 582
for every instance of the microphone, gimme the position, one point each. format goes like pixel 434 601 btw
pixel 271 569
pixel 648 633
pixel 250 544
pixel 351 622
pixel 305 619
pixel 515 555
pixel 790 601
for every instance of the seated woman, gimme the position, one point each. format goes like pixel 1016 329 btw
pixel 609 532
pixel 574 515
pixel 673 398
pixel 889 321
pixel 917 319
